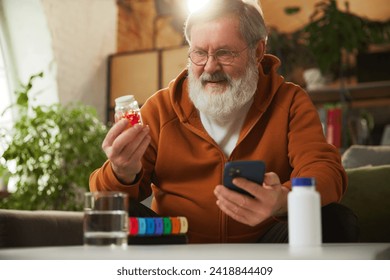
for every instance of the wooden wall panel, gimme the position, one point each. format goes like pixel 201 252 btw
pixel 132 73
pixel 173 62
pixel 142 73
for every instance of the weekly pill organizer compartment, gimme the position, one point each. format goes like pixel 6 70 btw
pixel 157 230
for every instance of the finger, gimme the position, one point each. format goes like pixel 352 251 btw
pixel 271 179
pixel 236 212
pixel 260 193
pixel 140 149
pixel 231 210
pixel 137 146
pixel 234 198
pixel 114 132
pixel 246 185
pixel 129 160
pixel 127 142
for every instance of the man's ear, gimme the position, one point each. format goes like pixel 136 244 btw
pixel 260 50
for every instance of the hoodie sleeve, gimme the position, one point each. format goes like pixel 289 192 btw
pixel 104 179
pixel 310 155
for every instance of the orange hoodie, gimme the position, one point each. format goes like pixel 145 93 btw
pixel 183 164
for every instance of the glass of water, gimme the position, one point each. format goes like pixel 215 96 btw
pixel 105 218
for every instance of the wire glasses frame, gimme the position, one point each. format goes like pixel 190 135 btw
pixel 224 57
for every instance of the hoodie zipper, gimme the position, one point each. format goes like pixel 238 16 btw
pixel 224 217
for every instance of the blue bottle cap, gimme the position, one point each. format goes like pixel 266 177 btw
pixel 303 182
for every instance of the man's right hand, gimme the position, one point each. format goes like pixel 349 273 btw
pixel 124 148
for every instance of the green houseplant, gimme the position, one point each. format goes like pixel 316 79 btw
pixel 53 150
pixel 335 38
pixel 293 52
pixel 4 177
pixel 332 34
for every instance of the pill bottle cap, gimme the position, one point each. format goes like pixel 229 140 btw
pixel 303 182
pixel 124 99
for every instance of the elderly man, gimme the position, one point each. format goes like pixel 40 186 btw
pixel 229 104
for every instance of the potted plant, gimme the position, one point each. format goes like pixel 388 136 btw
pixel 52 149
pixel 294 54
pixel 332 35
pixel 335 38
pixel 4 177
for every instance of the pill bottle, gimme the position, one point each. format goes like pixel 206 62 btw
pixel 127 107
pixel 304 214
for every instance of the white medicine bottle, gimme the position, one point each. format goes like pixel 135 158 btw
pixel 304 213
pixel 127 107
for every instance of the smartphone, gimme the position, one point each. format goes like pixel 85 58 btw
pixel 252 170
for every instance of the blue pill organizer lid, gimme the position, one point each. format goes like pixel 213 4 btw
pixel 303 182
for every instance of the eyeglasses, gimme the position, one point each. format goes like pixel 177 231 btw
pixel 224 57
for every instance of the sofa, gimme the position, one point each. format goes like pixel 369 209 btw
pixel 368 195
pixel 22 228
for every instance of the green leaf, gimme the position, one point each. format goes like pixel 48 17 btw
pixel 22 99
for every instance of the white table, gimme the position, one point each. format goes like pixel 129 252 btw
pixel 347 251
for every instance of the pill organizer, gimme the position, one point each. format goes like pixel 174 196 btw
pixel 157 226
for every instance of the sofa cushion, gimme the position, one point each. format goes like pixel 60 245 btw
pixel 368 195
pixel 360 155
pixel 20 228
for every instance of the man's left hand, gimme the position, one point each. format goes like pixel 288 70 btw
pixel 269 199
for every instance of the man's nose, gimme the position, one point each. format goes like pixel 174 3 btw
pixel 212 65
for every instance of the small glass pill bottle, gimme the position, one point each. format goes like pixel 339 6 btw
pixel 127 107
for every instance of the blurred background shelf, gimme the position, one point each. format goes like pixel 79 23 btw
pixel 369 102
pixel 371 94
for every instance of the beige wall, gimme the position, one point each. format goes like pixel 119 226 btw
pixel 83 34
pixel 69 41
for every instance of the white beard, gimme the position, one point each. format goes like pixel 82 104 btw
pixel 219 105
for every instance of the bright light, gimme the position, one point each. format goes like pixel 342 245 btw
pixel 194 5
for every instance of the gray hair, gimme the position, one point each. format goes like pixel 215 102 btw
pixel 252 26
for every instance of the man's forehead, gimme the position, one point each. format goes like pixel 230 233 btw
pixel 222 31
